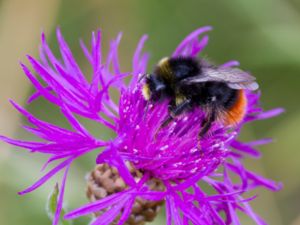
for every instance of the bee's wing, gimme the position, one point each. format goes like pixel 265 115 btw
pixel 235 78
pixel 244 85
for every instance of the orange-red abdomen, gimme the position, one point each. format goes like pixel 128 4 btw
pixel 237 112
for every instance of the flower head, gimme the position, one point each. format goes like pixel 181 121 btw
pixel 175 156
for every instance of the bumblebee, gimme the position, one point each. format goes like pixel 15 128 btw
pixel 188 82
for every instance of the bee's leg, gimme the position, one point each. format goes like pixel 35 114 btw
pixel 177 110
pixel 166 122
pixel 180 108
pixel 174 111
pixel 206 124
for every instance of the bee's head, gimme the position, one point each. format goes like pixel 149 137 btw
pixel 154 88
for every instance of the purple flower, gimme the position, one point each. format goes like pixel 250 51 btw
pixel 175 156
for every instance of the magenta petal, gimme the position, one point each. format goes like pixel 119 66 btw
pixel 266 115
pixel 173 213
pixel 46 49
pixel 74 122
pixel 96 206
pixel 68 57
pixel 260 142
pixel 115 59
pixel 47 176
pixel 86 52
pixel 96 50
pixel 169 219
pixel 231 63
pixel 60 198
pixel 152 195
pixel 137 62
pixel 233 215
pixel 137 53
pixel 36 95
pixel 199 46
pixel 190 211
pixel 126 211
pixel 109 216
pixel 189 38
pixel 41 90
pixel 246 148
pixel 258 180
pixel 253 215
pixel 189 182
pixel 20 143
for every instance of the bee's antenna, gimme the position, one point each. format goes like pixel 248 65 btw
pixel 142 77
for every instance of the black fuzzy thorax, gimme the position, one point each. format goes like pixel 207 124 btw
pixel 184 67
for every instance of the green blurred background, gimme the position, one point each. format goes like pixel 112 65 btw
pixel 263 35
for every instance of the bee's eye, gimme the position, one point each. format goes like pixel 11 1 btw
pixel 156 86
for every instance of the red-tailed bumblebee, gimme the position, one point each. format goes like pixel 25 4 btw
pixel 189 82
